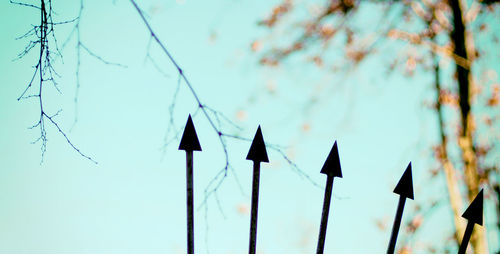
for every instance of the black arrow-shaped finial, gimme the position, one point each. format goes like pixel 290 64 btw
pixel 331 169
pixel 190 143
pixel 258 152
pixel 189 140
pixel 404 189
pixel 332 163
pixel 474 215
pixel 405 185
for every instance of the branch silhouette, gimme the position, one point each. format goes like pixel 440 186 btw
pixel 40 35
pixel 43 35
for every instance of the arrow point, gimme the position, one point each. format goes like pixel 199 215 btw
pixel 474 213
pixel 257 152
pixel 405 184
pixel 189 140
pixel 332 163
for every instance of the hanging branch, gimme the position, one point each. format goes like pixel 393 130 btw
pixel 44 71
pixel 43 35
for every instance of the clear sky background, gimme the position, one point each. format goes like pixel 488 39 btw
pixel 133 200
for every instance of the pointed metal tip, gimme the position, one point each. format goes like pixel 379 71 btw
pixel 405 184
pixel 474 213
pixel 332 167
pixel 258 152
pixel 189 140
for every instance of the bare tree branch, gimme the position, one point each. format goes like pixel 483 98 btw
pixel 43 35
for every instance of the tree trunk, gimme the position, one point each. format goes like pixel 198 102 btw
pixel 464 47
pixel 442 156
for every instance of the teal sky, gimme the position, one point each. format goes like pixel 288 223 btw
pixel 133 200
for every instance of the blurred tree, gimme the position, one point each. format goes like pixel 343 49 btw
pixel 433 31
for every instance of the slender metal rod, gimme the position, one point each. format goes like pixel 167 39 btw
pixel 397 224
pixel 324 215
pixel 255 207
pixel 190 216
pixel 465 240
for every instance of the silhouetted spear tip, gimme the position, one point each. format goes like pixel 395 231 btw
pixel 189 140
pixel 405 184
pixel 332 163
pixel 257 152
pixel 474 213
